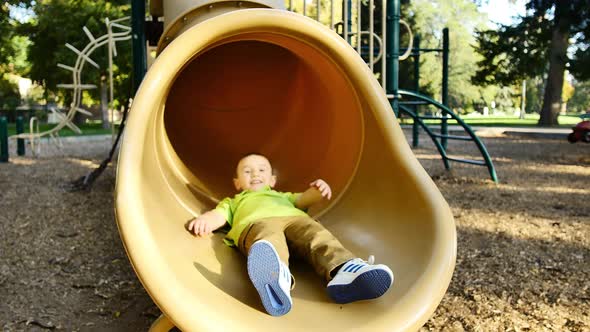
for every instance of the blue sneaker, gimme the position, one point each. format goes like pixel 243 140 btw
pixel 270 277
pixel 359 280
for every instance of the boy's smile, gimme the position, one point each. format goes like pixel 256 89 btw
pixel 254 173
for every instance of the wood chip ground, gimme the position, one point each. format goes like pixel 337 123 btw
pixel 523 260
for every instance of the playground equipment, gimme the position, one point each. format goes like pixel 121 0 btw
pixel 410 103
pixel 20 144
pixel 238 76
pixel 3 139
pixel 65 120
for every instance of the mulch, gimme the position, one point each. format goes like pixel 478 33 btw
pixel 523 260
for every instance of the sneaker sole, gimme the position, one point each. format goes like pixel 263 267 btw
pixel 264 269
pixel 369 285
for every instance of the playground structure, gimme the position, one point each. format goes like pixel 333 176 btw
pixel 77 86
pixel 352 20
pixel 239 76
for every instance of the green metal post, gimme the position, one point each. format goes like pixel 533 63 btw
pixel 392 52
pixel 416 125
pixel 348 19
pixel 3 140
pixel 139 48
pixel 444 127
pixel 20 142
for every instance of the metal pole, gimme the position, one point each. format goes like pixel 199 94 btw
pixel 346 19
pixel 318 4
pixel 392 52
pixel 358 27
pixel 3 140
pixel 445 85
pixel 139 48
pixel 371 33
pixel 20 142
pixel 332 14
pixel 384 42
pixel 415 126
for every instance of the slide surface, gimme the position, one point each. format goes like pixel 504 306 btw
pixel 283 85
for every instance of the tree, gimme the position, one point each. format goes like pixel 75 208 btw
pixel 462 18
pixel 58 22
pixel 538 44
pixel 12 55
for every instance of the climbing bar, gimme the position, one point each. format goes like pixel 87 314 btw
pixel 412 102
pixel 437 144
pixel 86 57
pixel 487 160
pixel 429 117
pixel 89 34
pixel 455 137
pixel 66 67
pixel 83 111
pixel 467 161
pixel 75 86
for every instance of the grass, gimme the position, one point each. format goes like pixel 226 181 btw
pixel 565 121
pixel 88 129
pixel 530 120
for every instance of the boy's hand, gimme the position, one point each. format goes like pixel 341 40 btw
pixel 206 223
pixel 200 226
pixel 322 187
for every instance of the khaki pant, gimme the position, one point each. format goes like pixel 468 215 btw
pixel 301 235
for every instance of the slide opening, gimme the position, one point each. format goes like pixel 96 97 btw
pixel 270 94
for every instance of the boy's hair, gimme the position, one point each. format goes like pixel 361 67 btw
pixel 251 153
pixel 254 153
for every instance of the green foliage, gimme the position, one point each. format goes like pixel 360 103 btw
pixel 513 53
pixel 9 95
pixel 536 45
pixel 12 58
pixel 462 18
pixel 59 22
pixel 580 100
pixel 534 94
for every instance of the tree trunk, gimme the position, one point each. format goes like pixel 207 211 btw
pixel 557 61
pixel 104 103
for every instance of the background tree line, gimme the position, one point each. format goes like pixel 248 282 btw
pixel 34 34
pixel 548 47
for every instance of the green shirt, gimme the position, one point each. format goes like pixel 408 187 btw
pixel 249 206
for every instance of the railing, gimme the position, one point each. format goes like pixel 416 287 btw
pixel 414 99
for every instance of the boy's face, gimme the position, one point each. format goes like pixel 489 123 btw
pixel 254 173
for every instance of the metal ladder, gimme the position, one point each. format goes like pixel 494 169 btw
pixel 410 99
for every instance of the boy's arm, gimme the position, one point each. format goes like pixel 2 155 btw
pixel 317 191
pixel 206 223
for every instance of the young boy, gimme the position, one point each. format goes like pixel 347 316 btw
pixel 266 225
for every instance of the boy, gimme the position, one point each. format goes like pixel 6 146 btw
pixel 266 225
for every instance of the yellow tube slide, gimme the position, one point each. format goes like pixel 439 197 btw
pixel 281 84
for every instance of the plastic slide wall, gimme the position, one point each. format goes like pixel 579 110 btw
pixel 236 77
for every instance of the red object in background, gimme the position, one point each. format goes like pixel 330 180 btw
pixel 581 132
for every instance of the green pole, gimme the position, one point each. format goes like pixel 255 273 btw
pixel 348 26
pixel 392 52
pixel 20 142
pixel 3 140
pixel 139 48
pixel 445 85
pixel 415 126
